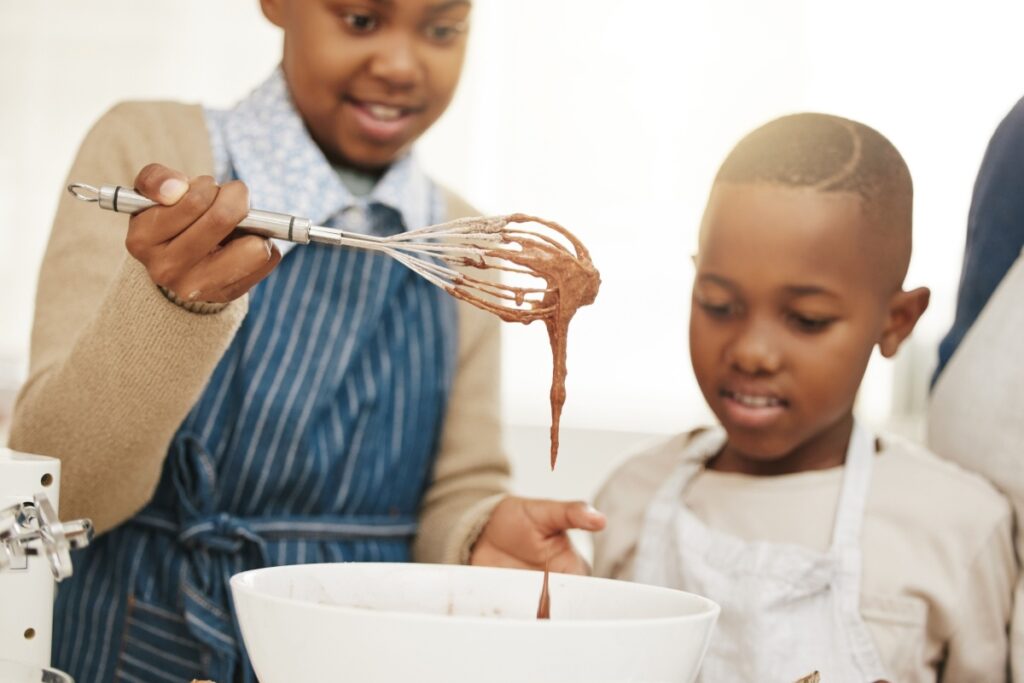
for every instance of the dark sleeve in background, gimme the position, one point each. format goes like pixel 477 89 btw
pixel 995 227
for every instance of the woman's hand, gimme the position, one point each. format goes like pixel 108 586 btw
pixel 186 243
pixel 526 533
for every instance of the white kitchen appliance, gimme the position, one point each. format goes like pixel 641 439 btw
pixel 35 551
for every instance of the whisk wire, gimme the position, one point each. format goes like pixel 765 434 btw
pixel 446 254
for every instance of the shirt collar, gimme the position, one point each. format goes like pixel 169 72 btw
pixel 271 150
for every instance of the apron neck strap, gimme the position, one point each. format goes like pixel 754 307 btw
pixel 853 495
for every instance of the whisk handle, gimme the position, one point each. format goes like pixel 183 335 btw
pixel 268 224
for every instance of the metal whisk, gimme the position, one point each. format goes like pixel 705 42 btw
pixel 439 253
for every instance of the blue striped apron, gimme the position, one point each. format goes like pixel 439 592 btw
pixel 313 442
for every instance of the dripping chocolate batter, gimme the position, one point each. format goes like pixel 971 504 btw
pixel 544 607
pixel 572 282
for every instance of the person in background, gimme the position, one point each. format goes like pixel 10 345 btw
pixel 975 416
pixel 829 548
pixel 221 402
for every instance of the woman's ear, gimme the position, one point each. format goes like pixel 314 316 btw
pixel 273 10
pixel 905 309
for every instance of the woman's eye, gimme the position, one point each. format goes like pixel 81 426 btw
pixel 360 22
pixel 444 33
pixel 717 310
pixel 810 324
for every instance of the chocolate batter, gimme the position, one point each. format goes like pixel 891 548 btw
pixel 544 608
pixel 572 281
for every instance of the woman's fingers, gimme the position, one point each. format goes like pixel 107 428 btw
pixel 488 555
pixel 212 226
pixel 151 231
pixel 161 184
pixel 240 287
pixel 569 562
pixel 559 557
pixel 554 516
pixel 230 271
pixel 186 242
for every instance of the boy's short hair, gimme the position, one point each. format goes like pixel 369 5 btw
pixel 832 154
pixel 826 153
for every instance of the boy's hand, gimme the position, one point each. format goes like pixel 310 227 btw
pixel 186 244
pixel 524 533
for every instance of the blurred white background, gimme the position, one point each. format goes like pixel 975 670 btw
pixel 609 116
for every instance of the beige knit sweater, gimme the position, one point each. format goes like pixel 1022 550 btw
pixel 115 366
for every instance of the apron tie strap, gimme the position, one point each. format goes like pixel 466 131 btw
pixel 212 542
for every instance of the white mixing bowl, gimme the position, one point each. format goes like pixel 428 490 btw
pixel 16 672
pixel 416 623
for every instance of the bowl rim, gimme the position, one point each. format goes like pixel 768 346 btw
pixel 25 667
pixel 708 609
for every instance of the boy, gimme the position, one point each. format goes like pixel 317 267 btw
pixel 828 548
pixel 218 406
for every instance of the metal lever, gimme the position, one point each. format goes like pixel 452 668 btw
pixel 267 224
pixel 32 529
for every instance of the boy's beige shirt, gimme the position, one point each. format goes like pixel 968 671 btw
pixel 938 558
pixel 115 366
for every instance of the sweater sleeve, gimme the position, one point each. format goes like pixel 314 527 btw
pixel 978 649
pixel 471 472
pixel 115 366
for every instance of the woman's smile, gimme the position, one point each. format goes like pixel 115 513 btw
pixel 381 121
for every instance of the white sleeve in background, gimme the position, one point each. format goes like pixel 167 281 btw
pixel 977 650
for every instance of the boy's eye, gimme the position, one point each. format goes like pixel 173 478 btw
pixel 810 324
pixel 360 22
pixel 444 33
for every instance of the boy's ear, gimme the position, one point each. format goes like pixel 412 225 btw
pixel 273 11
pixel 905 309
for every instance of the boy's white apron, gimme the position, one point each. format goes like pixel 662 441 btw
pixel 976 416
pixel 786 610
